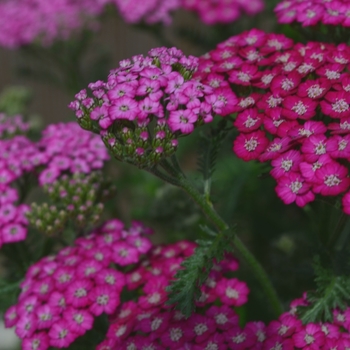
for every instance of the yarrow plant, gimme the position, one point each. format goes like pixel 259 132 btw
pixel 68 280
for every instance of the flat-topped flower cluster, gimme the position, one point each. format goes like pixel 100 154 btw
pixel 313 12
pixel 61 295
pixel 154 93
pixel 62 149
pixel 223 11
pixel 293 109
pixel 38 21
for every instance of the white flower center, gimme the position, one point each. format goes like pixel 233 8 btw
pixel 231 293
pixel 245 77
pixel 175 334
pixel 340 106
pixel 250 122
pixel 240 338
pixel 332 180
pixel 251 145
pixel 299 108
pixel 201 328
pixel 221 318
pixel 309 339
pixel 286 164
pixel 156 323
pixel 296 186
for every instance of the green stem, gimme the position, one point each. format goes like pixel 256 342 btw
pixel 213 216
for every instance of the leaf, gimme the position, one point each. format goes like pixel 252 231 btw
pixel 208 151
pixel 185 290
pixel 332 292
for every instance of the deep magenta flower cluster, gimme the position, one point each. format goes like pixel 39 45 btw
pixel 61 295
pixel 63 148
pixel 222 11
pixel 313 12
pixel 147 11
pixel 29 21
pixel 293 110
pixel 156 88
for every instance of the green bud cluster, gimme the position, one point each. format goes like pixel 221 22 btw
pixel 138 146
pixel 75 200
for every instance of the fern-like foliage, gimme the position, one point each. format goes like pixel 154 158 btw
pixel 185 290
pixel 208 151
pixel 332 292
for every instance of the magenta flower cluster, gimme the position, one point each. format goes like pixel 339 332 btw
pixel 63 148
pixel 296 113
pixel 28 21
pixel 67 148
pixel 61 295
pixel 222 11
pixel 156 88
pixel 313 12
pixel 147 11
pixel 10 126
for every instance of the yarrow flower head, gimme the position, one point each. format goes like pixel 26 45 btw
pixel 31 21
pixel 311 13
pixel 61 295
pixel 149 11
pixel 12 125
pixel 296 114
pixel 63 149
pixel 222 11
pixel 146 104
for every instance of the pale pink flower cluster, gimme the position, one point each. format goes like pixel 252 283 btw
pixel 61 295
pixel 313 12
pixel 62 149
pixel 222 11
pixel 26 22
pixel 12 125
pixel 67 148
pixel 147 11
pixel 293 110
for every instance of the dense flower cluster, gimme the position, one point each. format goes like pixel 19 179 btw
pixel 222 11
pixel 61 295
pixel 10 126
pixel 63 148
pixel 67 148
pixel 147 11
pixel 156 88
pixel 293 110
pixel 27 21
pixel 312 12
pixel 18 157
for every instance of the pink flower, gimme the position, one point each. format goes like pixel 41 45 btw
pixel 39 341
pixel 285 163
pixel 182 120
pixel 78 321
pixel 224 316
pixel 124 254
pixel 248 120
pixel 77 293
pixel 239 339
pixel 124 108
pixel 104 299
pixel 61 335
pixel 331 180
pixel 293 188
pixel 232 292
pixel 310 337
pixel 336 104
pixel 250 146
